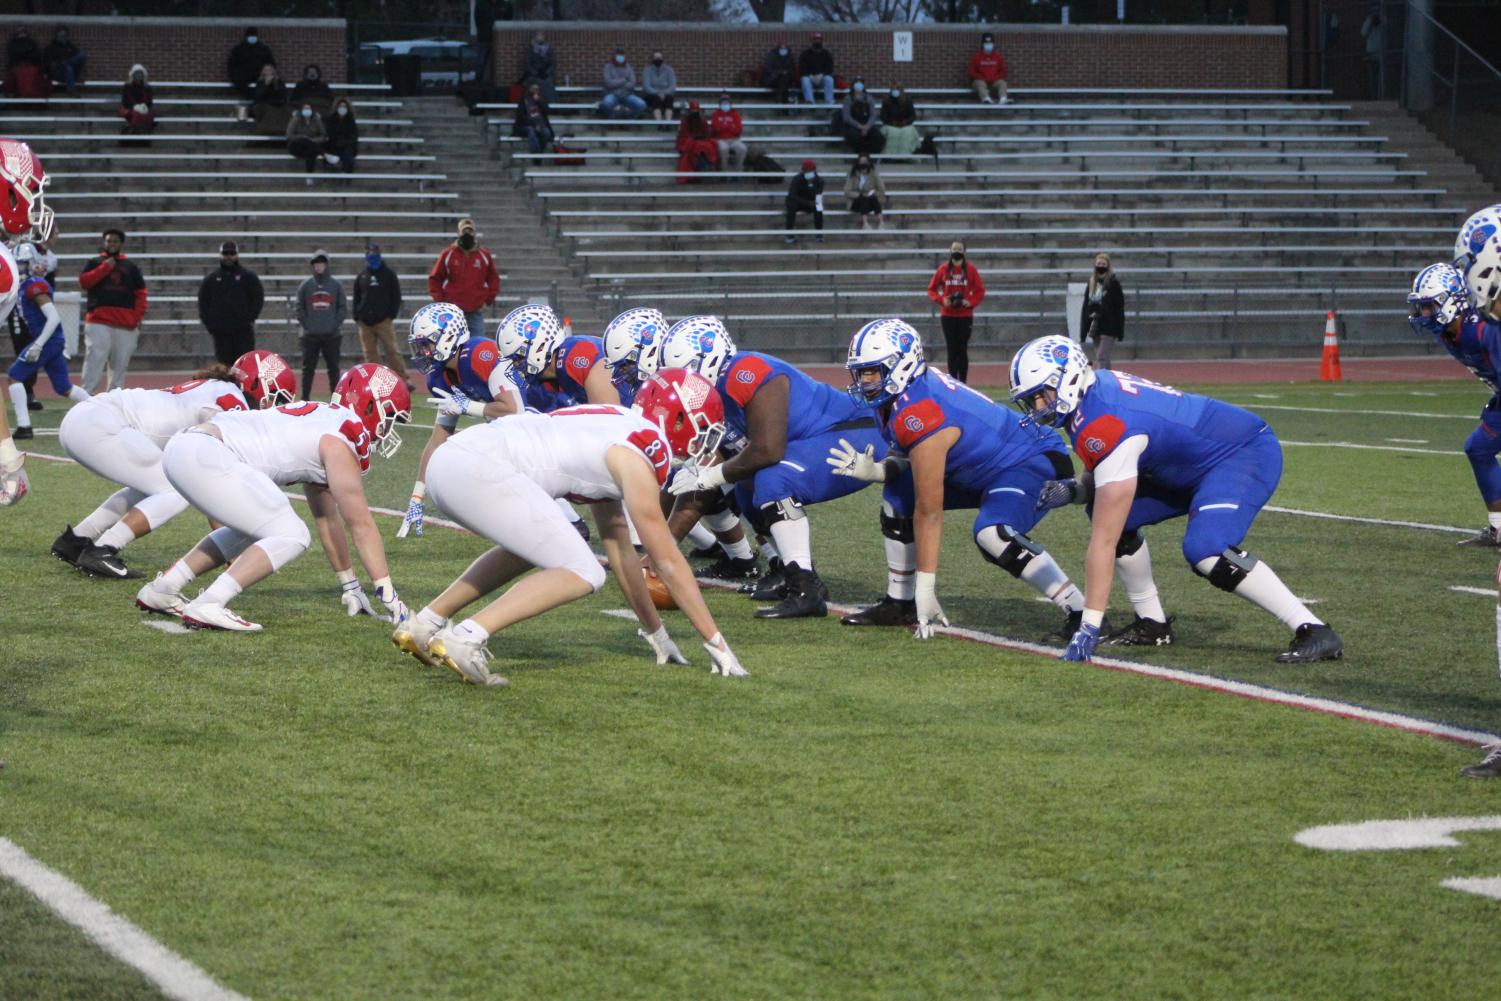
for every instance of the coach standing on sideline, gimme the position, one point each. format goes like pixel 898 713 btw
pixel 464 274
pixel 229 302
pixel 115 304
pixel 957 288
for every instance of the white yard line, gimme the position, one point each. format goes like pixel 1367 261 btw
pixel 1408 441
pixel 1484 592
pixel 176 977
pixel 1356 519
pixel 1369 448
pixel 1362 413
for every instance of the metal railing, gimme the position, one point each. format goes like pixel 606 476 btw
pixel 1454 91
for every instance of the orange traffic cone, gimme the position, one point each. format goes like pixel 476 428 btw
pixel 1329 366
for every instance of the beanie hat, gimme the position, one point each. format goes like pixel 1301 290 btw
pixel 809 165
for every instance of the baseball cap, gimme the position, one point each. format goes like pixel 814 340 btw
pixel 228 247
pixel 466 221
pixel 809 165
pixel 319 255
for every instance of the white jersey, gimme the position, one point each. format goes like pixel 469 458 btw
pixel 564 452
pixel 10 282
pixel 283 443
pixel 161 413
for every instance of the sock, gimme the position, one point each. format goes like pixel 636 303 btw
pixel 794 541
pixel 1044 574
pixel 700 536
pixel 737 550
pixel 18 401
pixel 471 630
pixel 1264 589
pixel 78 394
pixel 119 535
pixel 177 576
pixel 105 515
pixel 221 591
pixel 901 566
pixel 769 552
pixel 1135 572
pixel 431 618
pixel 1494 518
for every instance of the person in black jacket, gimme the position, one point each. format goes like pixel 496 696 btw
pixel 377 301
pixel 816 67
pixel 540 63
pixel 1104 317
pixel 246 60
pixel 312 90
pixel 532 122
pixel 229 302
pixel 805 194
pixel 343 143
pixel 63 60
pixel 779 72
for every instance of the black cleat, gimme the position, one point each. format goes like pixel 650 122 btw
pixel 104 561
pixel 729 568
pixel 1142 632
pixel 1488 767
pixel 70 545
pixel 804 598
pixel 767 587
pixel 1486 538
pixel 888 611
pixel 1071 623
pixel 33 404
pixel 23 434
pixel 1311 643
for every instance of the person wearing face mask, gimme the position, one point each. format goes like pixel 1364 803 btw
pixel 620 88
pixel 321 308
pixel 805 194
pixel 115 304
pixel 306 137
pixel 64 61
pixel 858 121
pixel 1104 317
pixel 898 124
pixel 230 298
pixel 268 103
pixel 540 62
pixel 343 143
pixel 957 288
pixel 659 85
pixel 726 126
pixel 865 192
pixel 815 67
pixel 464 274
pixel 311 89
pixel 778 71
pixel 246 60
pixel 377 302
pixel 987 71
pixel 532 120
pixel 136 104
pixel 695 144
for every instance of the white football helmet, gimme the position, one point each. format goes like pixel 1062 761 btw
pixel 892 346
pixel 437 331
pixel 700 344
pixel 528 337
pixel 29 260
pixel 1473 233
pixel 624 342
pixel 1438 297
pixel 1050 363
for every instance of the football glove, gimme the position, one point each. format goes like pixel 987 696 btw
pixel 412 521
pixel 33 352
pixel 662 645
pixel 397 608
pixel 13 483
pixel 1057 493
pixel 455 403
pixel 691 479
pixel 928 609
pixel 1081 647
pixel 725 661
pixel 859 465
pixel 355 602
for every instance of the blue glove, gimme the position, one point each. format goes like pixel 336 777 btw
pixel 1081 647
pixel 1057 493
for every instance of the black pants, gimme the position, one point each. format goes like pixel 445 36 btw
pixel 305 150
pixel 314 345
pixel 794 207
pixel 779 87
pixel 956 331
pixel 866 205
pixel 230 344
pixel 19 341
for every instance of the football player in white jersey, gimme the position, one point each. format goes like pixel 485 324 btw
pixel 233 467
pixel 120 436
pixel 500 481
pixel 23 211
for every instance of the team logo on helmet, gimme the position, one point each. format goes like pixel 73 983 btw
pixel 1060 353
pixel 905 340
pixel 1479 235
pixel 706 341
pixel 913 424
pixel 648 332
pixel 530 327
pixel 382 382
pixel 693 393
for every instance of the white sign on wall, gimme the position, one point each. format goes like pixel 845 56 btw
pixel 901 46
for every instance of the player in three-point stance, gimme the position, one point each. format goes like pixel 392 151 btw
pixel 46 350
pixel 23 212
pixel 952 448
pixel 500 479
pixel 1152 453
pixel 232 468
pixel 120 436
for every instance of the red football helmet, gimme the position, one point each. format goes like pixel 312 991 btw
pixel 687 408
pixel 22 208
pixel 379 398
pixel 266 379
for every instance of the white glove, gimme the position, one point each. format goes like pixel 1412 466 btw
pixel 928 609
pixel 355 602
pixel 456 404
pixel 32 352
pixel 13 482
pixel 662 645
pixel 397 608
pixel 412 521
pixel 860 465
pixel 725 661
pixel 691 479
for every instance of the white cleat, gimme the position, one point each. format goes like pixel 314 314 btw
pixel 156 598
pixel 412 637
pixel 467 659
pixel 200 614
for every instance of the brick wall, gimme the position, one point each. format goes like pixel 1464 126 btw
pixel 191 48
pixel 1036 55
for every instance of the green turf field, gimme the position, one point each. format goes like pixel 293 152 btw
pixel 304 813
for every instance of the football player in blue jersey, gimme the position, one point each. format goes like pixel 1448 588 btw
pixel 1152 453
pixel 559 370
pixel 951 448
pixel 45 352
pixel 781 425
pixel 466 376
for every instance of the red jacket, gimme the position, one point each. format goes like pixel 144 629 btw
pixel 466 278
pixel 967 283
pixel 987 66
pixel 725 124
pixel 116 292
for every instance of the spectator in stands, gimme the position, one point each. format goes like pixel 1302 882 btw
pixel 306 137
pixel 865 192
pixel 377 302
pixel 539 65
pixel 697 150
pixel 268 102
pixel 815 67
pixel 114 307
pixel 859 123
pixel 620 87
pixel 898 128
pixel 987 71
pixel 805 194
pixel 24 74
pixel 532 121
pixel 957 288
pixel 312 90
pixel 64 61
pixel 321 308
pixel 464 274
pixel 659 85
pixel 137 106
pixel 778 72
pixel 246 61
pixel 1104 316
pixel 725 126
pixel 22 50
pixel 343 143
pixel 229 302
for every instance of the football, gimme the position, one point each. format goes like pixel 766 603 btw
pixel 660 596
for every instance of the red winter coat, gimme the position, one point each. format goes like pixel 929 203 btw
pixel 987 66
pixel 946 281
pixel 466 278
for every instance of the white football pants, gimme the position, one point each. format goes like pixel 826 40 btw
pixel 95 434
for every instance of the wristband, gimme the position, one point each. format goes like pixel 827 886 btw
pixel 384 589
pixel 346 577
pixel 1093 618
pixel 474 408
pixel 419 490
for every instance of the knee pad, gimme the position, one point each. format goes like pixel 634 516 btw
pixel 1228 569
pixel 592 573
pixel 785 509
pixel 895 528
pixel 1006 548
pixel 228 542
pixel 284 548
pixel 722 520
pixel 1130 543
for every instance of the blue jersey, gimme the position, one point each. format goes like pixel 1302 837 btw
pixel 36 322
pixel 991 437
pixel 1187 434
pixel 574 359
pixel 1477 348
pixel 478 361
pixel 812 407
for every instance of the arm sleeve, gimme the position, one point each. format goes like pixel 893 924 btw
pixel 302 303
pixel 492 280
pixel 359 296
pixel 935 287
pixel 93 276
pixel 435 277
pixel 203 301
pixel 341 306
pixel 54 320
pixel 976 287
pixel 1122 462
pixel 140 309
pixel 257 297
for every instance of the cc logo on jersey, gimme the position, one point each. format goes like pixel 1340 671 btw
pixel 581 362
pixel 1093 445
pixel 913 424
pixel 746 376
